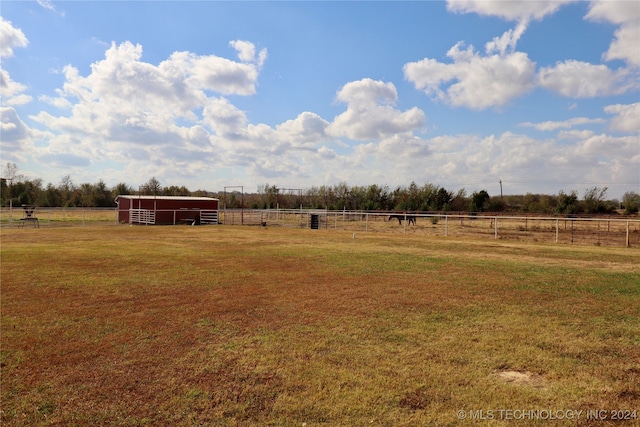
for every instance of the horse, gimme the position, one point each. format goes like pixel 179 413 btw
pixel 411 219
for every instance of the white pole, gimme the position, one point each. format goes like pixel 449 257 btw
pixel 405 223
pixel 496 228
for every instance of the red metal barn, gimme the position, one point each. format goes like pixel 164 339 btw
pixel 167 210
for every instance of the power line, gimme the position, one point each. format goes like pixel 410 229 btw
pixel 572 183
pixel 544 182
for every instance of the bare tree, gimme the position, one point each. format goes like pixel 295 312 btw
pixel 11 173
pixel 66 188
pixel 152 187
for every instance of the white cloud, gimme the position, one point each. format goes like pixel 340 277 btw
pixel 13 129
pixel 625 45
pixel 574 134
pixel 626 119
pixel 159 117
pixel 626 14
pixel 306 128
pixel 326 153
pixel 58 102
pixel 602 146
pixel 247 52
pixel 576 79
pixel 17 138
pixel 10 38
pixel 483 81
pixel 507 42
pixel 509 10
pixel 367 92
pixel 521 12
pixel 370 113
pixel 566 124
pixel 222 75
pixel 48 4
pixel 224 118
pixel 404 148
pixel 152 97
pixel 618 12
pixel 10 90
pixel 550 164
pixel 472 80
pixel 145 95
pixel 20 99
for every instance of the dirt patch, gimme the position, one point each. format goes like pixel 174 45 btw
pixel 522 378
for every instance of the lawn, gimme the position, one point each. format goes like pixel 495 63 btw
pixel 231 325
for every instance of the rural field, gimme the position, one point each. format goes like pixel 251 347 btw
pixel 252 326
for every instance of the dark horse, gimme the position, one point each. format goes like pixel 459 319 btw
pixel 411 219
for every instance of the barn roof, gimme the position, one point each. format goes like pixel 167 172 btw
pixel 139 197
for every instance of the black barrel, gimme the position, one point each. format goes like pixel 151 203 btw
pixel 315 222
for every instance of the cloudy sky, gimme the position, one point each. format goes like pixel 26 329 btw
pixel 544 96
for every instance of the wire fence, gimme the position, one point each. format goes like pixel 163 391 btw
pixel 600 231
pixel 57 217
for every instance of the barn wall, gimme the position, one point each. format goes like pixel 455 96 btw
pixel 123 210
pixel 167 211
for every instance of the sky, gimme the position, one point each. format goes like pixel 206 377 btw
pixel 542 96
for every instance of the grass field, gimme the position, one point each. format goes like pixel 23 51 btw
pixel 52 217
pixel 177 325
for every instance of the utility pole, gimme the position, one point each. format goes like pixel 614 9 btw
pixel 501 199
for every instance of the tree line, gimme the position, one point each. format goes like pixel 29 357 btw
pixel 434 198
pixel 16 190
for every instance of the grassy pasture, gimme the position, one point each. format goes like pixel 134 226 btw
pixel 52 217
pixel 118 325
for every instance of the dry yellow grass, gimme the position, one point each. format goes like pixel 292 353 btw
pixel 121 325
pixel 52 217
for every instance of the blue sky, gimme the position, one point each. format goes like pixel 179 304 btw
pixel 541 95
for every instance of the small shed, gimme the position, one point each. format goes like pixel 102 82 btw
pixel 169 210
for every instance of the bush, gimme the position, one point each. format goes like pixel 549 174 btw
pixel 631 203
